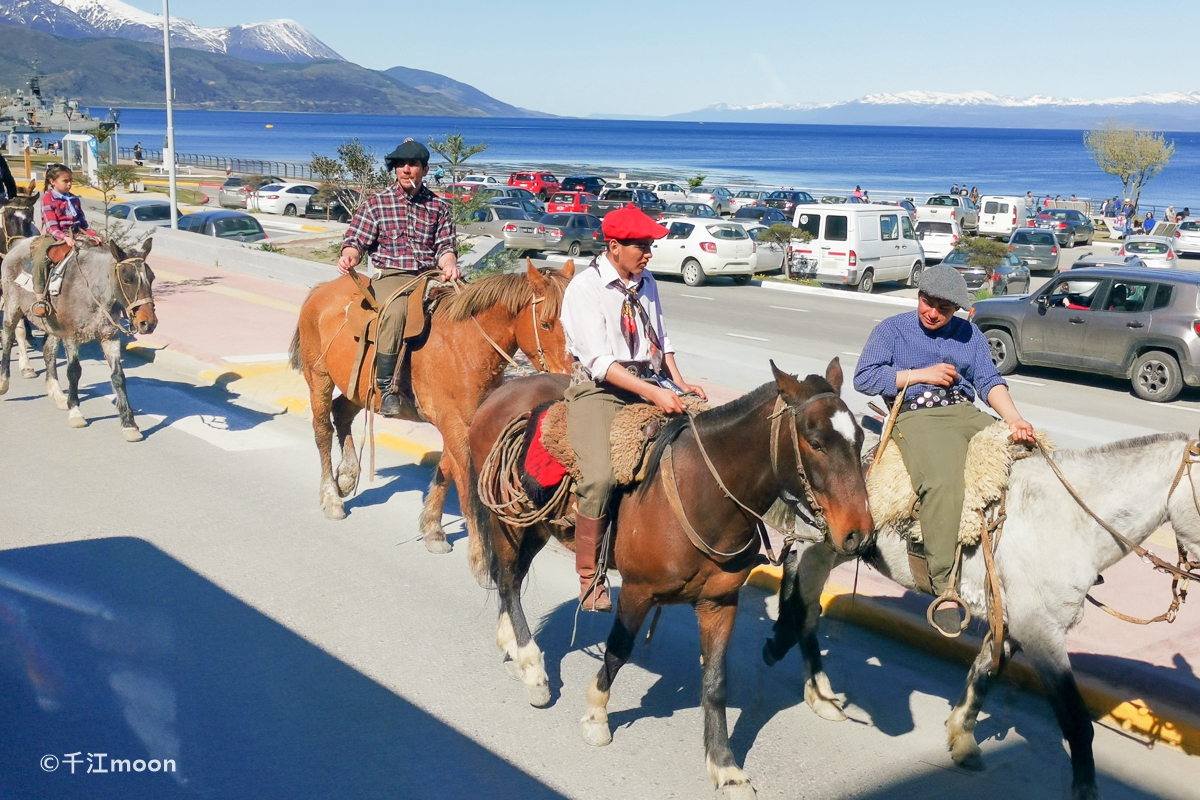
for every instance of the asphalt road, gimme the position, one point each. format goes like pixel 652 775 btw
pixel 184 598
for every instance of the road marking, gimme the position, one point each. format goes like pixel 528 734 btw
pixel 696 296
pixel 851 353
pixel 1027 383
pixel 1185 408
pixel 744 336
pixel 790 308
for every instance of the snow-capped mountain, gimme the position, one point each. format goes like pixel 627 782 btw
pixel 1171 110
pixel 273 41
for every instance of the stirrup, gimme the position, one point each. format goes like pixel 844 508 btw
pixel 948 596
pixel 40 309
pixel 595 597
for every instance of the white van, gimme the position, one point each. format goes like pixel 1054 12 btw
pixel 1000 215
pixel 856 245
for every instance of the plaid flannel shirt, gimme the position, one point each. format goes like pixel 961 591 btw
pixel 62 216
pixel 400 232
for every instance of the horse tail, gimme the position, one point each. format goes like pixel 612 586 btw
pixel 484 522
pixel 295 359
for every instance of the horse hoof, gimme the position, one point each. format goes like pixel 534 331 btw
pixel 60 402
pixel 596 734
pixel 437 545
pixel 966 753
pixel 76 420
pixel 346 482
pixel 514 669
pixel 744 791
pixel 539 697
pixel 132 434
pixel 29 373
pixel 824 707
pixel 333 511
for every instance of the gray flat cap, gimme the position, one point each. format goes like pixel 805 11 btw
pixel 945 283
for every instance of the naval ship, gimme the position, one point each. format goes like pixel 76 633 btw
pixel 28 112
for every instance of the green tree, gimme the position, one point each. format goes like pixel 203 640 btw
pixel 351 177
pixel 110 178
pixel 982 251
pixel 696 182
pixel 780 236
pixel 454 150
pixel 1134 156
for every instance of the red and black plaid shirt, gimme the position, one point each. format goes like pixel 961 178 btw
pixel 400 232
pixel 61 216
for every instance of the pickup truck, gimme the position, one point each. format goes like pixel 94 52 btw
pixel 612 199
pixel 948 208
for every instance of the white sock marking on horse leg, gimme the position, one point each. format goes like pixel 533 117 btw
pixel 597 704
pixel 532 662
pixel 506 637
pixel 843 423
pixel 726 776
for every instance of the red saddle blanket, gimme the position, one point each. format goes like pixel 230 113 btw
pixel 538 463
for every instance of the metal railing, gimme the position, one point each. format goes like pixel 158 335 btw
pixel 246 166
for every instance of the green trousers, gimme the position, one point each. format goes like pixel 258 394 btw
pixel 395 316
pixel 933 443
pixel 590 413
pixel 41 262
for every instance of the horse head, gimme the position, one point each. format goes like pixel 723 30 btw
pixel 16 218
pixel 539 331
pixel 133 286
pixel 822 467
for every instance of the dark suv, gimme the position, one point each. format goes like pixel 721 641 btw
pixel 592 184
pixel 786 200
pixel 1137 324
pixel 1069 226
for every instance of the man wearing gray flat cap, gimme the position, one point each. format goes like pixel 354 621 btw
pixel 941 363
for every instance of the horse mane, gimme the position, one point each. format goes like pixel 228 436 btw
pixel 1124 445
pixel 511 290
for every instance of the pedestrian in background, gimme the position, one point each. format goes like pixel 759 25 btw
pixel 858 192
pixel 1149 222
pixel 1170 215
pixel 1183 214
pixel 137 154
pixel 1029 203
pixel 975 195
pixel 954 189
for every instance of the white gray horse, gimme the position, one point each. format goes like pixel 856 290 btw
pixel 1049 556
pixel 101 286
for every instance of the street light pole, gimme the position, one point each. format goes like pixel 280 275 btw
pixel 169 150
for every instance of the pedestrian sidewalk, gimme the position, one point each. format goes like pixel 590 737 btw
pixel 233 329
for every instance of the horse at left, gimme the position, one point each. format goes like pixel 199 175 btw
pixel 104 292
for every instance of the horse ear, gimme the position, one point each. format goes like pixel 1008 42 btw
pixel 788 385
pixel 536 278
pixel 116 251
pixel 568 269
pixel 29 189
pixel 833 374
pixel 33 197
pixel 146 245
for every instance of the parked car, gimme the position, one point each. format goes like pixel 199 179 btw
pixel 1156 251
pixel 236 189
pixel 954 206
pixel 720 198
pixel 531 207
pixel 786 200
pixel 667 191
pixel 542 184
pixel 151 211
pixel 513 225
pixel 1000 215
pixel 765 214
pixel 1038 249
pixel 1070 226
pixel 1129 323
pixel 938 238
pixel 839 199
pixel 287 199
pixel 907 205
pixel 688 209
pixel 612 199
pixel 1009 277
pixel 771 255
pixel 592 184
pixel 576 202
pixel 699 248
pixel 491 192
pixel 1112 261
pixel 334 208
pixel 744 198
pixel 856 245
pixel 573 234
pixel 480 179
pixel 235 225
pixel 1187 237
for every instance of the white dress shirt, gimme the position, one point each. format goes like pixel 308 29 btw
pixel 591 318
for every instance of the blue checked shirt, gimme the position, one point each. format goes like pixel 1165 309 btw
pixel 901 342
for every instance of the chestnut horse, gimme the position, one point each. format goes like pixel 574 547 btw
pixel 451 373
pixel 753 443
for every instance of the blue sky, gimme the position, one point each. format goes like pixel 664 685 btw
pixel 658 57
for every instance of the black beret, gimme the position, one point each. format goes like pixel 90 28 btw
pixel 409 150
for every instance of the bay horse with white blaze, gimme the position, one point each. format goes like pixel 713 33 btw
pixel 787 440
pixel 452 372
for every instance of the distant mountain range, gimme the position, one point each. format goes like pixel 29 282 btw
pixel 1168 110
pixel 463 93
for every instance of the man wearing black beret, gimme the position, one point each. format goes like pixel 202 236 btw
pixel 406 229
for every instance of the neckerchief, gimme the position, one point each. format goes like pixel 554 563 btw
pixel 66 198
pixel 629 326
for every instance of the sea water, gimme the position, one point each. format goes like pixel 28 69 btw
pixel 885 160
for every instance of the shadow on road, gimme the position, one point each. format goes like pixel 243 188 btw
pixel 111 646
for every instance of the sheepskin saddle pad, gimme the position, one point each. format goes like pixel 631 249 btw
pixel 990 457
pixel 548 456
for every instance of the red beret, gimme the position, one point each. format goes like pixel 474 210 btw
pixel 631 222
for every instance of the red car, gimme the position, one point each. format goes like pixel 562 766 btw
pixel 571 202
pixel 543 184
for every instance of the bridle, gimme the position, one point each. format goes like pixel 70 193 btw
pixel 5 215
pixel 816 520
pixel 128 305
pixel 537 338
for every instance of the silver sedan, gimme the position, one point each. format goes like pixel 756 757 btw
pixel 513 225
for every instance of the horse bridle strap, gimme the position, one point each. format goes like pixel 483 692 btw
pixel 137 302
pixel 817 520
pixel 667 469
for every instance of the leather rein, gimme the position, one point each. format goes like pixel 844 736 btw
pixel 127 304
pixel 817 519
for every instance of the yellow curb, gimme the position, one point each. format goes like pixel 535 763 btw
pixel 408 447
pixel 238 294
pixel 1175 727
pixel 315 228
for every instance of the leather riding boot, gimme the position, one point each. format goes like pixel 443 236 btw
pixel 385 368
pixel 589 538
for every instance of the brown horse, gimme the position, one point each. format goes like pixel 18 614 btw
pixel 754 443
pixel 451 373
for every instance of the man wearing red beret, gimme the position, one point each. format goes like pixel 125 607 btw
pixel 613 320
